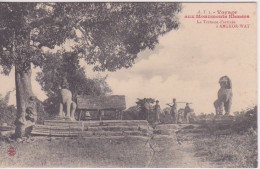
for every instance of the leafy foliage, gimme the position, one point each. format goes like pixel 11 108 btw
pixel 107 35
pixel 242 121
pixel 141 103
pixel 245 120
pixel 66 65
pixel 131 113
pixel 7 113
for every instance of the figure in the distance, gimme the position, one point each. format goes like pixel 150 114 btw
pixel 66 103
pixel 224 96
pixel 174 112
pixel 187 111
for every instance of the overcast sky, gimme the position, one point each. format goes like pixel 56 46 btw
pixel 187 64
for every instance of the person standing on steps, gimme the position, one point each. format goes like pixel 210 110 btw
pixel 174 112
pixel 187 112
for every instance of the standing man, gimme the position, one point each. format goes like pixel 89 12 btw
pixel 187 111
pixel 174 112
pixel 157 110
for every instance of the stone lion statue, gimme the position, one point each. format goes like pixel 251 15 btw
pixel 224 96
pixel 66 103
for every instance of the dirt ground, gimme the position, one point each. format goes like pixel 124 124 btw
pixel 155 151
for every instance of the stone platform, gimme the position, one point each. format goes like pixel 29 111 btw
pixel 65 128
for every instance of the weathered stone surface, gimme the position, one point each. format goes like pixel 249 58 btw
pixel 91 128
pixel 67 106
pixel 224 96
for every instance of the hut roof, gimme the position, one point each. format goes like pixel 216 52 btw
pixel 112 102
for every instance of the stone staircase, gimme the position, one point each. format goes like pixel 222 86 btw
pixel 65 128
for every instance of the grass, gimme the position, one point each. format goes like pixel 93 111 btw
pixel 113 152
pixel 237 148
pixel 77 152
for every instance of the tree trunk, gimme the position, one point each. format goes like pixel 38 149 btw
pixel 23 99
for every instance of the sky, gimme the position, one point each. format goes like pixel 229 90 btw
pixel 186 64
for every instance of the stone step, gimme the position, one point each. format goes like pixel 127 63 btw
pixel 62 123
pixel 55 133
pixel 97 128
pixel 92 128
pixel 192 130
pixel 52 127
pixel 56 130
pixel 166 126
pixel 118 128
pixel 96 123
pixel 114 133
pixel 121 123
pixel 89 133
pixel 164 131
pixel 174 126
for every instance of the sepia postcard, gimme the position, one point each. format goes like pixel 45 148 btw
pixel 128 85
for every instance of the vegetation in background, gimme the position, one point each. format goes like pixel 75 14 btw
pixel 7 112
pixel 66 65
pixel 106 35
pixel 236 148
pixel 133 113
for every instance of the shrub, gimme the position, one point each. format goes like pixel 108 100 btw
pixel 245 120
pixel 237 148
pixel 7 115
pixel 233 150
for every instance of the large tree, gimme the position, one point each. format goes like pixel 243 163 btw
pixel 107 35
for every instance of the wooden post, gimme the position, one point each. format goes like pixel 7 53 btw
pixel 50 131
pixel 69 130
pixel 80 115
pixel 118 115
pixel 82 128
pixel 100 115
pixel 121 113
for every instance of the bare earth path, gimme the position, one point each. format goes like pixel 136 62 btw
pixel 172 153
pixel 157 151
